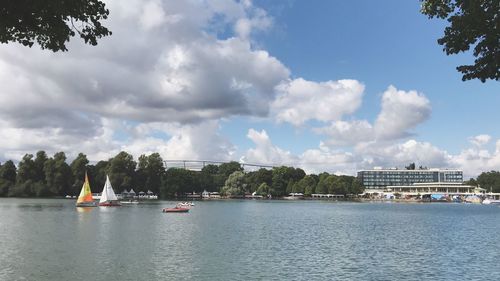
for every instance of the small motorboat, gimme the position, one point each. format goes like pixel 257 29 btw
pixel 176 210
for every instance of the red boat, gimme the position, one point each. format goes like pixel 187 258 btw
pixel 110 204
pixel 176 210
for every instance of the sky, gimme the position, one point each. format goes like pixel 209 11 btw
pixel 333 86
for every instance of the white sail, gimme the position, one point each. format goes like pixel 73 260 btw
pixel 107 192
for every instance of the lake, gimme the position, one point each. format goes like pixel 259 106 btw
pixel 49 239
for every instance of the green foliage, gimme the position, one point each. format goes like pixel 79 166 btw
pixel 489 181
pixel 256 178
pixel 149 173
pixel 177 182
pixel 234 185
pixel 472 24
pixel 26 169
pixel 24 189
pixel 97 175
pixel 208 178
pixel 411 166
pixel 326 184
pixel 78 168
pixel 471 182
pixel 281 178
pixel 58 176
pixel 356 187
pixel 121 171
pixel 8 171
pixel 227 169
pixel 5 186
pixel 60 179
pixel 263 189
pixel 51 23
pixel 40 159
pixel 305 185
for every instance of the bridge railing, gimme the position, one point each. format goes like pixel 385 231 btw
pixel 197 165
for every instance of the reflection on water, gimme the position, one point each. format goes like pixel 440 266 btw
pixel 260 240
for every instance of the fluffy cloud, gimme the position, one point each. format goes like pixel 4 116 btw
pixel 312 160
pixel 300 100
pixel 401 111
pixel 480 140
pixel 347 132
pixel 367 155
pixel 265 152
pixel 164 63
pixel 157 66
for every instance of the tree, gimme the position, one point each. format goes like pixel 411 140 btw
pixel 121 171
pixel 58 176
pixel 323 184
pixel 489 181
pixel 356 187
pixel 411 166
pixel 7 177
pixel 78 168
pixel 51 23
pixel 256 178
pixel 149 173
pixel 263 189
pixel 472 24
pixel 97 175
pixel 307 183
pixel 26 169
pixel 208 178
pixel 341 185
pixel 40 159
pixel 8 171
pixel 471 182
pixel 176 181
pixel 234 184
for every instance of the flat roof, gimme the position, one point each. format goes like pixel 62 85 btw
pixel 404 170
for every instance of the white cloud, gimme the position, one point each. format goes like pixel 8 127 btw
pixel 367 155
pixel 265 152
pixel 300 100
pixel 480 140
pixel 401 111
pixel 347 132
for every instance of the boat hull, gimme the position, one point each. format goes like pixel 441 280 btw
pixel 176 210
pixel 87 204
pixel 110 204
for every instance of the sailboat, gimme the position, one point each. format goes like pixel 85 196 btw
pixel 85 197
pixel 108 196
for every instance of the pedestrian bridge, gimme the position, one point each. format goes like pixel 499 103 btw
pixel 197 165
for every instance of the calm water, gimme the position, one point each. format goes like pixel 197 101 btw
pixel 249 240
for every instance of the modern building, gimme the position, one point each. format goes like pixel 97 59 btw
pixel 379 178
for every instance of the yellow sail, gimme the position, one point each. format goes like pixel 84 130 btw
pixel 85 194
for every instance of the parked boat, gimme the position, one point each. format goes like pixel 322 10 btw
pixel 85 197
pixel 185 204
pixel 489 201
pixel 108 196
pixel 176 210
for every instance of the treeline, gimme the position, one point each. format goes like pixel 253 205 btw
pixel 41 176
pixel 487 180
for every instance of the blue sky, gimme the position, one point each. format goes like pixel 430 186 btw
pixel 381 44
pixel 262 82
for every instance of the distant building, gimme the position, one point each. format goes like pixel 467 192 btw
pixel 381 178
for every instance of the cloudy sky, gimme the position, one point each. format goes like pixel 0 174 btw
pixel 331 86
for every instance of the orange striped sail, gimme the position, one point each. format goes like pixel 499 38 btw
pixel 85 196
